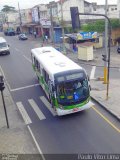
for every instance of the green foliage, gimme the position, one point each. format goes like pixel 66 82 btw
pixel 7 9
pixel 68 30
pixel 99 25
pixel 115 23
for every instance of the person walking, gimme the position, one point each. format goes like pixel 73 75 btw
pixel 46 38
pixel 35 34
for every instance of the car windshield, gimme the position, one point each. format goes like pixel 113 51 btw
pixel 22 35
pixel 3 45
pixel 72 92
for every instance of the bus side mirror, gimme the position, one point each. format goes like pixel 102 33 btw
pixel 88 78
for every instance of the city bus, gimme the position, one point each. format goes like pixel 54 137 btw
pixel 65 83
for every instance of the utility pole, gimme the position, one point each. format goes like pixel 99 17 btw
pixel 40 24
pixel 109 45
pixel 20 17
pixel 51 19
pixel 106 44
pixel 119 14
pixel 63 33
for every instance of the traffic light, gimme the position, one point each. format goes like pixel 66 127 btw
pixel 2 87
pixel 104 58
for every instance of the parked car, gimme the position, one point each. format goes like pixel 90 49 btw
pixel 118 49
pixel 4 47
pixel 9 32
pixel 22 36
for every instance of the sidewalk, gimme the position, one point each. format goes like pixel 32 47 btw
pixel 98 93
pixel 16 139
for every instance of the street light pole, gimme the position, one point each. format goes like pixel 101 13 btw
pixel 106 44
pixel 5 109
pixel 63 33
pixel 109 44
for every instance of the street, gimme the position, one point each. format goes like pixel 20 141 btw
pixel 83 132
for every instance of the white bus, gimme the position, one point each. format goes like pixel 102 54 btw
pixel 64 82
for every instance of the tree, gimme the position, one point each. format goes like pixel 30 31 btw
pixel 7 9
pixel 99 25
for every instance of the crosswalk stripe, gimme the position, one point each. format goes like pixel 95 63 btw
pixel 24 113
pixel 48 105
pixel 36 109
pixel 92 75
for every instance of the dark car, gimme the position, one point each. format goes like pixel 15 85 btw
pixel 9 32
pixel 118 49
pixel 22 37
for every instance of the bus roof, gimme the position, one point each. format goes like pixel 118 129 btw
pixel 54 61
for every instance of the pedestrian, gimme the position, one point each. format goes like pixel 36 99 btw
pixel 35 34
pixel 46 38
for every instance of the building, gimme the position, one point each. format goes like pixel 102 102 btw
pixel 10 20
pixel 112 10
pixel 25 20
pixel 41 20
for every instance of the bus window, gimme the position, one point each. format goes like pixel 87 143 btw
pixel 45 75
pixel 37 65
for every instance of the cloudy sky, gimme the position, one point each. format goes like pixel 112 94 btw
pixel 31 3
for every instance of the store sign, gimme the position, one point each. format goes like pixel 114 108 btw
pixel 86 35
pixel 45 22
pixel 35 17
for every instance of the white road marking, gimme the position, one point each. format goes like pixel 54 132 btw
pixel 36 143
pixel 36 109
pixel 23 112
pixel 29 60
pixel 17 49
pixel 5 78
pixel 48 105
pixel 92 75
pixel 17 89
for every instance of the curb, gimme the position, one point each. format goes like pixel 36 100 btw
pixel 112 113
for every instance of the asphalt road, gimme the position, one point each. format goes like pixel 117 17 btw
pixel 83 132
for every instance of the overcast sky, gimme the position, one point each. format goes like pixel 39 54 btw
pixel 31 3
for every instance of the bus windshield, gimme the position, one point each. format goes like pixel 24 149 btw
pixel 72 92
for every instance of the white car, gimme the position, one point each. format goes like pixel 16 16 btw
pixel 4 47
pixel 22 37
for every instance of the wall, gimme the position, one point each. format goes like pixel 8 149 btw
pixel 66 8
